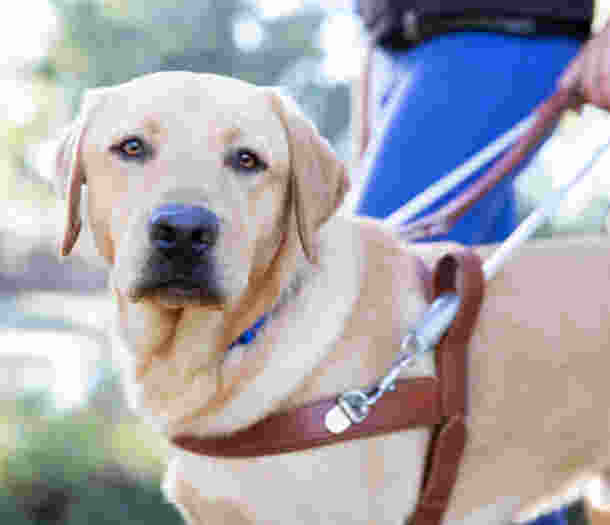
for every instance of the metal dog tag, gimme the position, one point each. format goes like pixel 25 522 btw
pixel 336 420
pixel 351 407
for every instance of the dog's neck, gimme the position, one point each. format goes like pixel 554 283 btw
pixel 267 284
pixel 286 295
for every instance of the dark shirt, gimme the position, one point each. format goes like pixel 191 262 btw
pixel 386 19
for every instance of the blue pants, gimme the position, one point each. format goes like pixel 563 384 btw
pixel 451 97
pixel 554 518
pixel 454 95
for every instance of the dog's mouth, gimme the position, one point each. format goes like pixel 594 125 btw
pixel 181 287
pixel 177 293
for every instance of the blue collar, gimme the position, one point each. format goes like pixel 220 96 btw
pixel 250 334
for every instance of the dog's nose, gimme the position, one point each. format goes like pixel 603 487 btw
pixel 182 229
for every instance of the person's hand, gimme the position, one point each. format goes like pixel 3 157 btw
pixel 588 75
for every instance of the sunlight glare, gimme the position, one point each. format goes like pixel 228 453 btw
pixel 25 32
pixel 278 8
pixel 341 38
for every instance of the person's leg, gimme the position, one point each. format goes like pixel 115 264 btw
pixel 450 97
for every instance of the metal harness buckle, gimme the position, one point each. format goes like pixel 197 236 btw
pixel 354 406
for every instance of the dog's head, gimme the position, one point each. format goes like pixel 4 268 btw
pixel 192 184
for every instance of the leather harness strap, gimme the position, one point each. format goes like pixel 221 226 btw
pixel 461 273
pixel 426 401
pixel 413 403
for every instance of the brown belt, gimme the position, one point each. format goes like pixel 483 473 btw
pixel 428 401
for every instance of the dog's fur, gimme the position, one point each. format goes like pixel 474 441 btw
pixel 341 293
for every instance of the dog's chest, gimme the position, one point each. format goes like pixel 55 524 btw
pixel 372 480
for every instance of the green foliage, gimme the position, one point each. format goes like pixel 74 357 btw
pixel 10 511
pixel 106 497
pixel 54 448
pixel 120 503
pixel 67 465
pixel 108 42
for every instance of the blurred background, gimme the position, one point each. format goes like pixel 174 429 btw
pixel 70 450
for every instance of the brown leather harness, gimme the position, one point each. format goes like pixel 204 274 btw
pixel 439 402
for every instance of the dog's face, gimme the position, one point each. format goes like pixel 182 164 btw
pixel 189 184
pixel 203 192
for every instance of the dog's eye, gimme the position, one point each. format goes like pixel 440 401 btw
pixel 246 160
pixel 132 148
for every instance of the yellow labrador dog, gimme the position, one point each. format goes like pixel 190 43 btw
pixel 214 202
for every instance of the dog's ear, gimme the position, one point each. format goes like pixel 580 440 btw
pixel 319 179
pixel 69 175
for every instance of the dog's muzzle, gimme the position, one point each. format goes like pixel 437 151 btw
pixel 180 268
